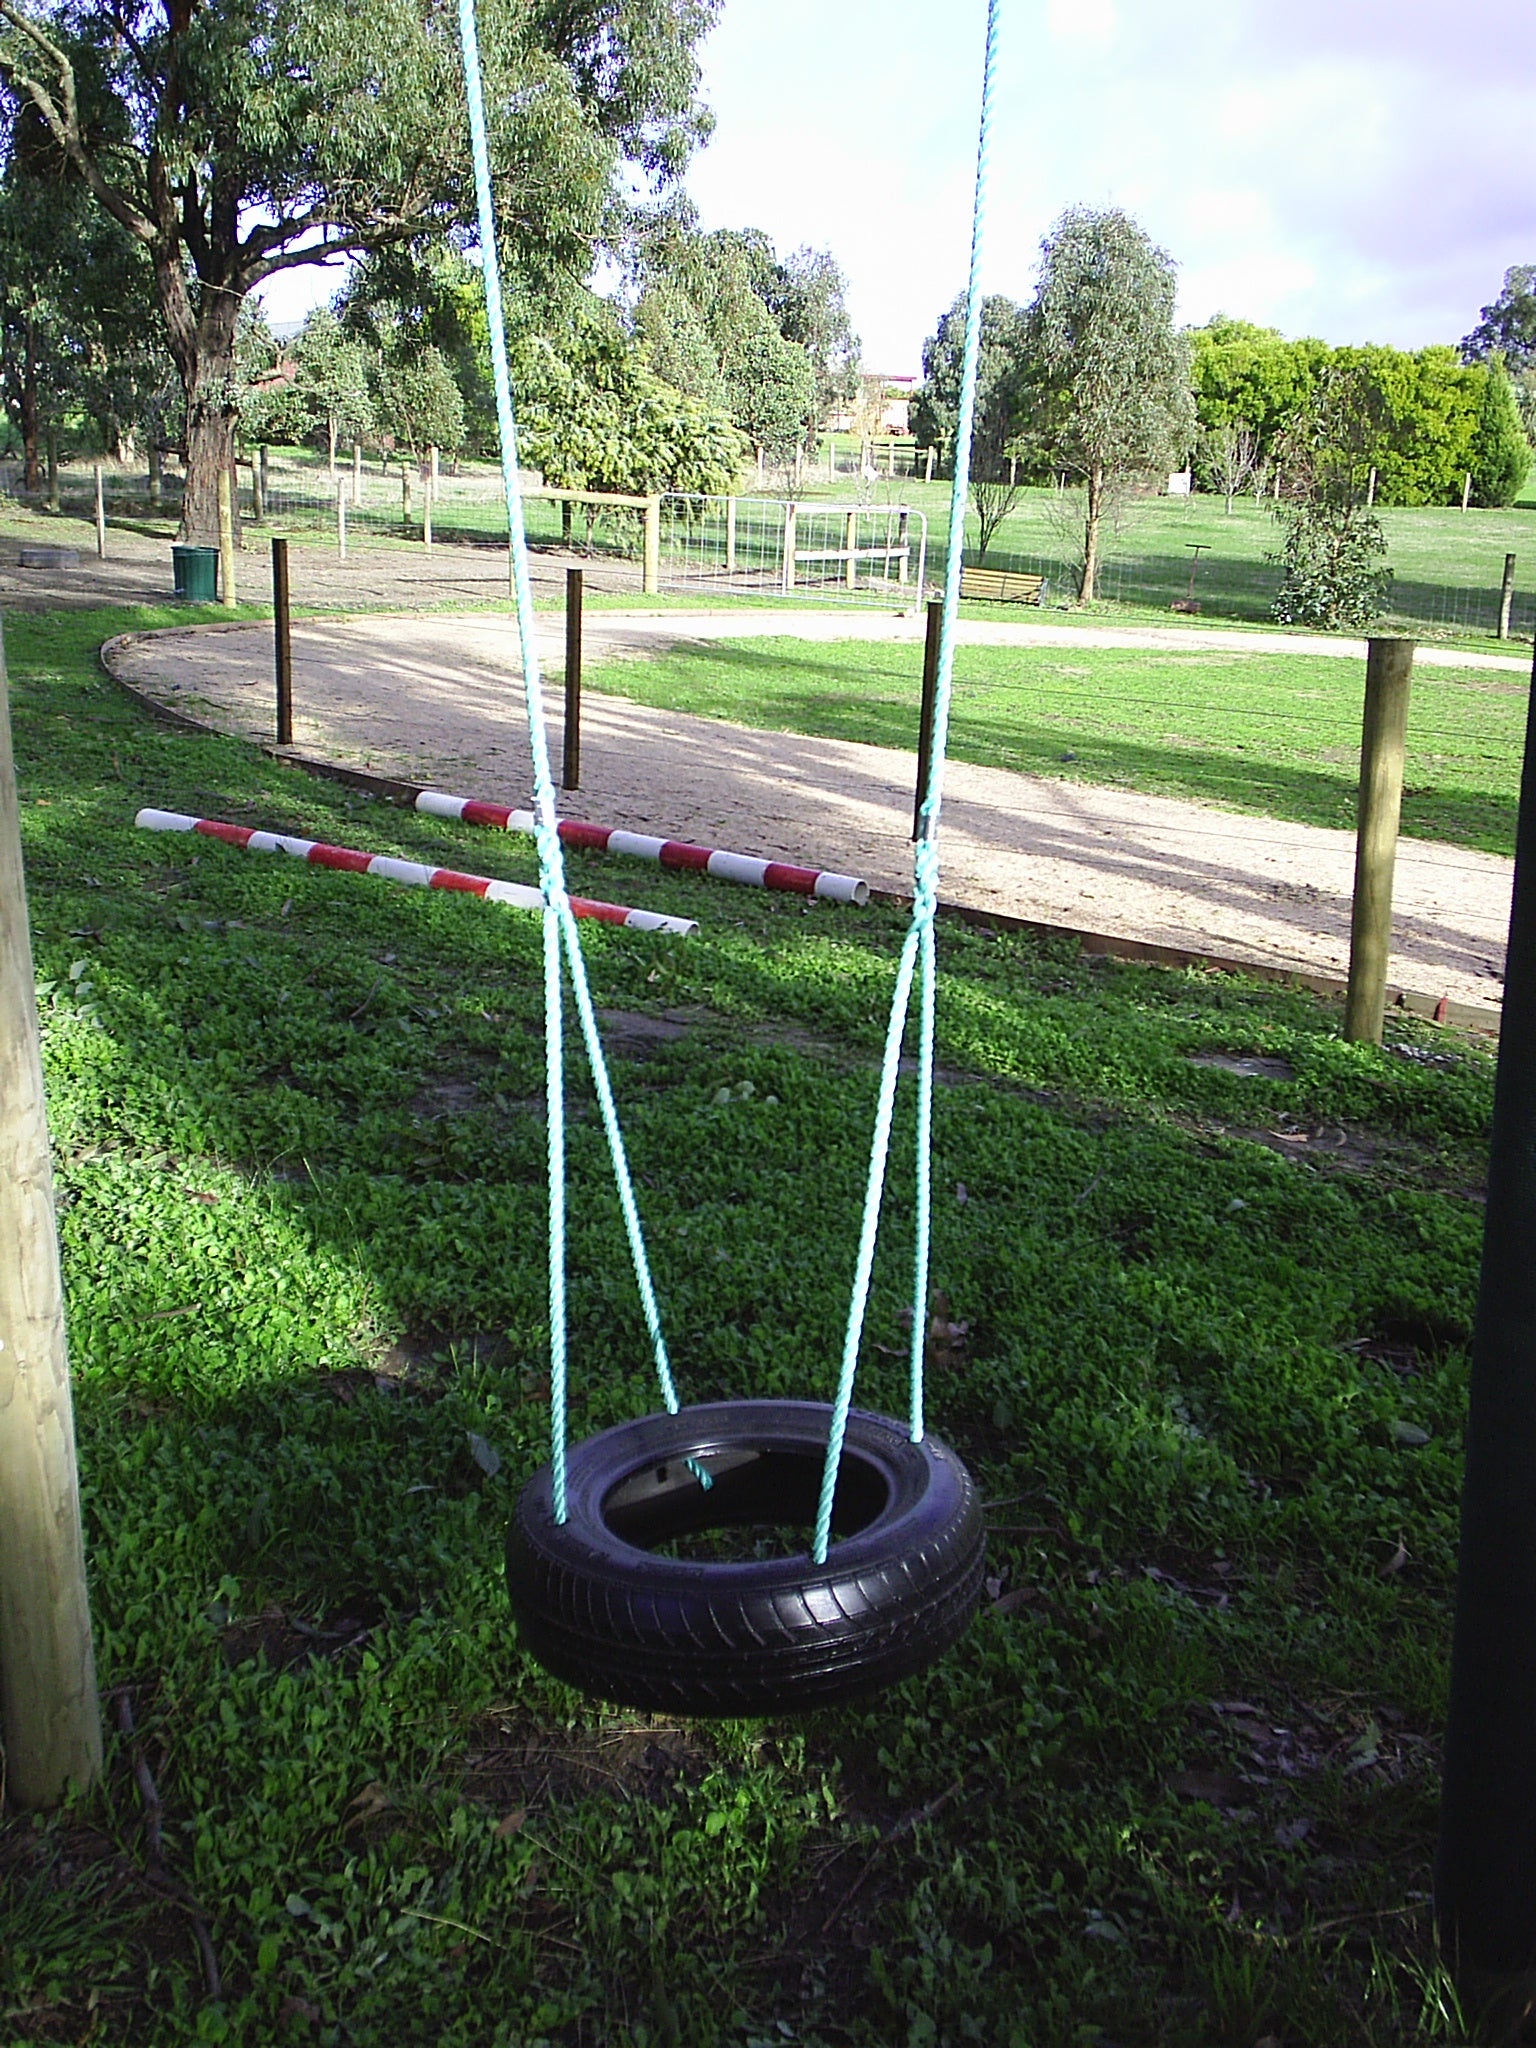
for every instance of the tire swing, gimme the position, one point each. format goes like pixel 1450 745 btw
pixel 598 1601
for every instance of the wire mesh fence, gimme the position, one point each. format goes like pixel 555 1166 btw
pixel 781 548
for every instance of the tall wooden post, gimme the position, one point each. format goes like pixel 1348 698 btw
pixel 850 549
pixel 650 570
pixel 266 480
pixel 928 465
pixel 258 493
pixel 1506 596
pixel 227 595
pixel 405 499
pixel 48 1707
pixel 925 715
pixel 1466 491
pixel 282 642
pixel 1485 1873
pixel 570 767
pixel 1388 671
pixel 787 566
pixel 101 516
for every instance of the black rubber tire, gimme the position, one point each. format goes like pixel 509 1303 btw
pixel 600 1610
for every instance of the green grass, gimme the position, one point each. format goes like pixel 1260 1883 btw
pixel 1211 1383
pixel 1278 735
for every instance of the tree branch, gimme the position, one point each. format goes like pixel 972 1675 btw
pixel 63 121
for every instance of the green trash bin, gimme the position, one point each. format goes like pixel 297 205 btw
pixel 195 572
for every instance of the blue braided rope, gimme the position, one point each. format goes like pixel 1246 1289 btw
pixel 559 922
pixel 918 945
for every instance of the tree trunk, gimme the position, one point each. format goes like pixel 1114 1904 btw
pixel 32 469
pixel 1091 533
pixel 203 346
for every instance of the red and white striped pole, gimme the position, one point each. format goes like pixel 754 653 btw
pixel 350 861
pixel 671 853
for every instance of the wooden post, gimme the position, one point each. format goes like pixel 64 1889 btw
pixel 925 715
pixel 570 767
pixel 282 642
pixel 850 545
pixel 49 1713
pixel 787 566
pixel 650 568
pixel 101 517
pixel 1485 1873
pixel 341 519
pixel 759 469
pixel 904 546
pixel 266 480
pixel 227 594
pixel 258 494
pixel 1506 596
pixel 928 466
pixel 1466 491
pixel 1388 672
pixel 1370 488
pixel 405 499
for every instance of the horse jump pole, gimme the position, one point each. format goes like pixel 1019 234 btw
pixel 48 1707
pixel 1383 741
pixel 570 768
pixel 282 642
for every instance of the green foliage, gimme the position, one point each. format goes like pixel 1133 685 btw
pixel 722 318
pixel 593 416
pixel 1507 327
pixel 1501 450
pixel 417 401
pixel 1251 376
pixel 1334 556
pixel 1212 1390
pixel 1108 372
pixel 936 410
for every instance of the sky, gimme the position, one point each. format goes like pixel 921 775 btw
pixel 1362 170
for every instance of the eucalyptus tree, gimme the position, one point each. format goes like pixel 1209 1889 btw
pixel 1109 372
pixel 261 135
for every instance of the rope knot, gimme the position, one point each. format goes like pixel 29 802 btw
pixel 925 872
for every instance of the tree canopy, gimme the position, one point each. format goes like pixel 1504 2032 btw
pixel 1508 327
pixel 256 135
pixel 1109 373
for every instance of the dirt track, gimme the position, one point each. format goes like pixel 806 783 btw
pixel 436 700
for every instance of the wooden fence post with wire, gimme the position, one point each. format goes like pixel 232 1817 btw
pixel 1388 673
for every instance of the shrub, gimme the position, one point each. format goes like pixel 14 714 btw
pixel 1335 569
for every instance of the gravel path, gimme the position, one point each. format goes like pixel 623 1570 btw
pixel 436 700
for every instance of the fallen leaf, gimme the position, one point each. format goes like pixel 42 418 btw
pixel 1217 1788
pixel 510 1823
pixel 1009 1603
pixel 1396 1561
pixel 485 1455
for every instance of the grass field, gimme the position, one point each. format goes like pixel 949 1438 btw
pixel 1278 735
pixel 1176 1787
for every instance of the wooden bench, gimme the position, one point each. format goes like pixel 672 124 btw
pixel 1001 586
